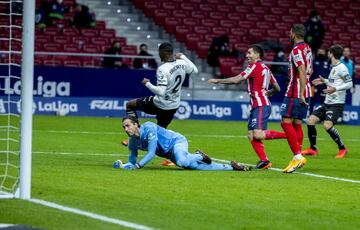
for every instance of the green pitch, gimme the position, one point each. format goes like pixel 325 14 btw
pixel 72 166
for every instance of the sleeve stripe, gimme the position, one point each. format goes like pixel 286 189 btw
pixel 161 85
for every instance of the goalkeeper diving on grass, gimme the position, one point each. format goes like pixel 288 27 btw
pixel 166 144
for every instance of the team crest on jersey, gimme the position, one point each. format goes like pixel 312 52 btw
pixel 298 58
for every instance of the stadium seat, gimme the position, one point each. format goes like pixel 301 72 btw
pixel 225 8
pixel 353 29
pixel 239 32
pixel 242 9
pixel 107 33
pixel 50 31
pixel 264 25
pixel 235 16
pixel 170 24
pixel 181 13
pixel 228 23
pixel 71 48
pixel 231 2
pixel 273 33
pixel 181 32
pixel 216 2
pixel 61 39
pixel 208 22
pixel 170 6
pixel 89 32
pixel 72 63
pixel 254 17
pixel 251 3
pixel 192 40
pixel 42 39
pixel 88 48
pixel 278 11
pixel 52 62
pixel 189 6
pixel 339 6
pixel 217 15
pixel 272 18
pixel 257 33
pixel 121 40
pixel 199 14
pixel 191 22
pixel 150 7
pixel 246 24
pixel 321 5
pixel 52 47
pixel 297 12
pixel 207 7
pixel 225 66
pixel 235 70
pixel 332 13
pixel 80 40
pixel 129 50
pixel 282 26
pixel 218 31
pixel 100 25
pixel 160 15
pixel 202 30
pixel 352 14
pixel 70 32
pixel 260 10
pixel 304 4
pixel 100 41
pixel 355 45
pixel 202 49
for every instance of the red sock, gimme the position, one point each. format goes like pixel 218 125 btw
pixel 259 149
pixel 291 137
pixel 273 134
pixel 299 134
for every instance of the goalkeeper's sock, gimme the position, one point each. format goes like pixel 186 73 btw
pixel 299 134
pixel 259 149
pixel 291 137
pixel 131 113
pixel 312 136
pixel 273 134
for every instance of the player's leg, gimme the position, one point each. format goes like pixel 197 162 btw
pixel 332 115
pixel 164 117
pixel 290 110
pixel 312 133
pixel 297 124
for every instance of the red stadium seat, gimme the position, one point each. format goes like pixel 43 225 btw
pixel 72 63
pixel 129 50
pixel 282 26
pixel 80 40
pixel 160 15
pixel 71 48
pixel 217 15
pixel 42 39
pixel 181 13
pixel 343 21
pixel 52 47
pixel 225 66
pixel 297 12
pixel 87 48
pixel 70 32
pixel 192 40
pixel 100 25
pixel 202 49
pixel 225 8
pixel 216 2
pixel 303 4
pixel 231 2
pixel 278 11
pixel 260 10
pixel 338 6
pixel 235 70
pixel 121 40
pixel 336 28
pixel 150 7
pixel 353 29
pixel 181 32
pixel 89 32
pixel 61 39
pixel 241 47
pixel 191 22
pixel 246 24
pixel 200 14
pixel 272 18
pixel 235 16
pixel 289 19
pixel 207 7
pixel 170 5
pixel 50 31
pixel 170 24
pixel 273 33
pixel 52 62
pixel 197 1
pixel 218 31
pixel 286 3
pixel 251 3
pixel 268 3
pixel 107 33
pixel 189 6
pixel 208 22
pixel 264 25
pixel 321 5
pixel 357 21
pixel 332 13
pixel 242 9
pixel 352 14
pixel 258 33
pixel 202 30
pixel 254 17
pixel 100 41
pixel 239 32
pixel 228 23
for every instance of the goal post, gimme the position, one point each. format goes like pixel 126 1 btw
pixel 27 81
pixel 16 64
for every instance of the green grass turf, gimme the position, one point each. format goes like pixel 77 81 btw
pixel 67 171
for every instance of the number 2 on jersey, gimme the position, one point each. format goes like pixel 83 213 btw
pixel 178 80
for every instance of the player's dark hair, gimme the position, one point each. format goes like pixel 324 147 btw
pixel 258 49
pixel 167 47
pixel 298 30
pixel 133 119
pixel 337 51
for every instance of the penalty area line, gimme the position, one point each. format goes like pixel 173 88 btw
pixel 302 173
pixel 91 215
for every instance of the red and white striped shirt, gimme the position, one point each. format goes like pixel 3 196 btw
pixel 258 76
pixel 300 55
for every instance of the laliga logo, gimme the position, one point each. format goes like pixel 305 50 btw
pixel 18 106
pixel 184 111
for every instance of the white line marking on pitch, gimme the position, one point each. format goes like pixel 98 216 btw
pixel 187 135
pixel 91 215
pixel 219 160
pixel 303 173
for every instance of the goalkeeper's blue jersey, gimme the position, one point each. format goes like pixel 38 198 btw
pixel 155 140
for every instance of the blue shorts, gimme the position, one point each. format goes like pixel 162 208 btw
pixel 259 117
pixel 292 108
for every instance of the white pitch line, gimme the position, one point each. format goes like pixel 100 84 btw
pixel 91 215
pixel 85 154
pixel 302 173
pixel 187 135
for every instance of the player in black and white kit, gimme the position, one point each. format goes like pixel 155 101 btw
pixel 337 83
pixel 170 77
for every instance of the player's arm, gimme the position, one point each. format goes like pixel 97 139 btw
pixel 275 86
pixel 348 83
pixel 231 80
pixel 159 90
pixel 302 77
pixel 193 67
pixel 151 136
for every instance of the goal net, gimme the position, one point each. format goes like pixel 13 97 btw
pixel 12 94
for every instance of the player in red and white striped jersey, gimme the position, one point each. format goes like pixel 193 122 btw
pixel 295 106
pixel 258 76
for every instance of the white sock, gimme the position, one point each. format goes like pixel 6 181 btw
pixel 297 157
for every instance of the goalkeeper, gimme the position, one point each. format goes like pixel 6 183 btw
pixel 166 144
